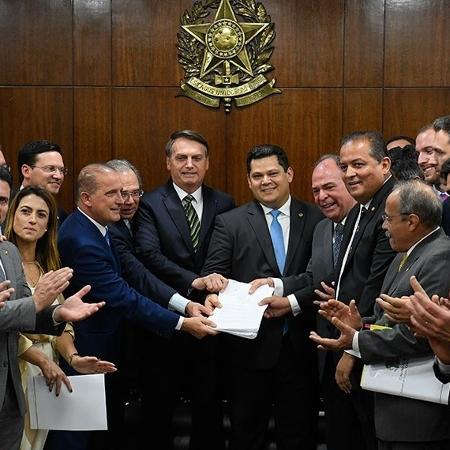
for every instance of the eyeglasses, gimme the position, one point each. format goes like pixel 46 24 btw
pixel 388 218
pixel 52 169
pixel 134 194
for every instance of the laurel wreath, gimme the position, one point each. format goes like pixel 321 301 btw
pixel 260 49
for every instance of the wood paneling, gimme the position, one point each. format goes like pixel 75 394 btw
pixel 143 120
pixel 309 43
pixel 417 43
pixel 364 40
pixel 92 126
pixel 362 109
pixel 29 114
pixel 407 110
pixel 305 122
pixel 145 42
pixel 92 42
pixel 36 42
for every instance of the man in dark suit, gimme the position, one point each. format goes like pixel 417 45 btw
pixel 269 237
pixel 335 202
pixel 84 243
pixel 411 220
pixel 172 230
pixel 142 374
pixel 19 311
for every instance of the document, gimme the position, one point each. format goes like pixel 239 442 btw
pixel 412 378
pixel 84 409
pixel 240 313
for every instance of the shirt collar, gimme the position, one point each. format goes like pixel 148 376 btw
pixel 196 194
pixel 284 209
pixel 419 241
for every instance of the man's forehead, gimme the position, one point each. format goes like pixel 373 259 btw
pixel 49 157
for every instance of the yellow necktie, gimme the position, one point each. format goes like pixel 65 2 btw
pixel 402 261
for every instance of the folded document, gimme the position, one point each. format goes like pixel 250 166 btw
pixel 412 378
pixel 240 313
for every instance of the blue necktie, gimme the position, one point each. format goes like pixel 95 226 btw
pixel 108 237
pixel 276 233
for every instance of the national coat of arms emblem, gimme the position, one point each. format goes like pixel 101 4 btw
pixel 225 59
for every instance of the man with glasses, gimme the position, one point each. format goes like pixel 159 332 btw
pixel 41 164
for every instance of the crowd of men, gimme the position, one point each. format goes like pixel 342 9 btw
pixel 371 251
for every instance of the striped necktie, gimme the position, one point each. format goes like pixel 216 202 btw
pixel 192 220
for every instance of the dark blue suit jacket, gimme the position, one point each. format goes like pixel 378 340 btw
pixel 162 238
pixel 83 248
pixel 136 274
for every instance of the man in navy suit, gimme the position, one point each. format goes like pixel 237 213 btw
pixel 174 250
pixel 84 242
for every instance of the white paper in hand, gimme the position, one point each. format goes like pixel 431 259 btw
pixel 240 313
pixel 83 409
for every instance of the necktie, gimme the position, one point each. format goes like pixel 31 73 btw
pixel 402 261
pixel 192 219
pixel 108 237
pixel 338 235
pixel 276 233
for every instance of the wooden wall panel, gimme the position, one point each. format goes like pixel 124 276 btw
pixel 92 42
pixel 364 41
pixel 310 41
pixel 407 110
pixel 145 42
pixel 417 43
pixel 36 42
pixel 29 114
pixel 305 122
pixel 92 126
pixel 144 118
pixel 362 109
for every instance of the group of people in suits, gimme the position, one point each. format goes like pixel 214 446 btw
pixel 158 261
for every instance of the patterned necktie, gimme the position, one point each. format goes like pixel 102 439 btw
pixel 192 219
pixel 276 233
pixel 108 237
pixel 338 235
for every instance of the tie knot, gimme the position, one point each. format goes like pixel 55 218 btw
pixel 339 228
pixel 188 200
pixel 275 213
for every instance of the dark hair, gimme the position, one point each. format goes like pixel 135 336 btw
pixel 186 134
pixel 445 169
pixel 401 137
pixel 417 197
pixel 428 126
pixel 266 151
pixel 442 124
pixel 46 248
pixel 377 148
pixel 30 151
pixel 5 175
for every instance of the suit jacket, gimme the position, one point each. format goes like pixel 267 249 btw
pixel 241 249
pixel 162 238
pixel 83 248
pixel 370 254
pixel 446 216
pixel 133 271
pixel 18 314
pixel 400 418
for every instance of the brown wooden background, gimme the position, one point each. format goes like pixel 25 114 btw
pixel 100 78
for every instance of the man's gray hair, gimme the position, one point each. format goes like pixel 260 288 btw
pixel 123 165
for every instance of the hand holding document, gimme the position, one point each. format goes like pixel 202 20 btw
pixel 82 409
pixel 240 313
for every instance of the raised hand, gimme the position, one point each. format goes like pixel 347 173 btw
pixel 397 309
pixel 327 292
pixel 344 341
pixel 348 314
pixel 49 286
pixel 91 364
pixel 5 292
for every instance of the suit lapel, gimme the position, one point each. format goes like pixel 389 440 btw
pixel 327 249
pixel 297 224
pixel 175 209
pixel 9 273
pixel 208 214
pixel 255 215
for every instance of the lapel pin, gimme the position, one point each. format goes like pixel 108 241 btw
pixel 300 214
pixel 373 208
pixel 6 252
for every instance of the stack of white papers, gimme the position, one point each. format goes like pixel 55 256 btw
pixel 412 378
pixel 240 313
pixel 82 409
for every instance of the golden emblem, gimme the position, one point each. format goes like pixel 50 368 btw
pixel 226 59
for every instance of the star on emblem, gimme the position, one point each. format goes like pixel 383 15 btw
pixel 225 39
